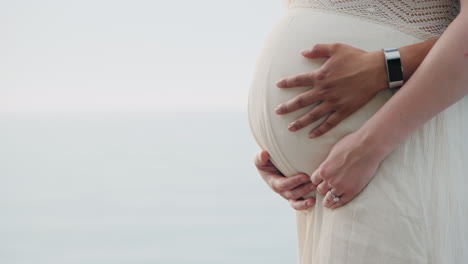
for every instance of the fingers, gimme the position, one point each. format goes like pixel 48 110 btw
pixel 299 191
pixel 315 178
pixel 318 51
pixel 328 200
pixel 343 201
pixel 298 102
pixel 285 184
pixel 302 204
pixel 332 120
pixel 314 115
pixel 291 188
pixel 261 159
pixel 307 79
pixel 323 188
pixel 304 79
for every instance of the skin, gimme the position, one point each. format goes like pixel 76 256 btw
pixel 440 81
pixel 359 89
pixel 354 159
pixel 290 188
pixel 349 78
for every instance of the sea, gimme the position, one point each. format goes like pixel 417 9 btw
pixel 134 188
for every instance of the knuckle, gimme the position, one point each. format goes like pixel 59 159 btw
pixel 312 116
pixel 335 46
pixel 311 76
pixel 324 173
pixel 275 186
pixel 326 126
pixel 294 80
pixel 281 186
pixel 321 75
pixel 316 179
pixel 301 101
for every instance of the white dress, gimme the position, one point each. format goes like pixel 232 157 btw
pixel 415 209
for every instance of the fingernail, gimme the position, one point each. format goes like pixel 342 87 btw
pixel 278 110
pixel 292 127
pixel 305 51
pixel 312 135
pixel 280 83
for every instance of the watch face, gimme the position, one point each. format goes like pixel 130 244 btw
pixel 394 70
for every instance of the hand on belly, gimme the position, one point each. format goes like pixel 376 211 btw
pixel 344 83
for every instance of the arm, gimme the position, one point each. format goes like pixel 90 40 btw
pixel 412 56
pixel 345 82
pixel 295 187
pixel 440 81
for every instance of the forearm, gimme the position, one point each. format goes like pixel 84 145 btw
pixel 411 58
pixel 413 55
pixel 440 81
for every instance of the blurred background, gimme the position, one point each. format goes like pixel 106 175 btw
pixel 124 135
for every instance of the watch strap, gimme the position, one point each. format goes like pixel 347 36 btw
pixel 394 68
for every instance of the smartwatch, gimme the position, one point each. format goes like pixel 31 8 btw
pixel 394 68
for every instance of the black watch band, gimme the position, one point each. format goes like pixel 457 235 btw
pixel 394 68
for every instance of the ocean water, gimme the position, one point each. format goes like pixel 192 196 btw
pixel 137 188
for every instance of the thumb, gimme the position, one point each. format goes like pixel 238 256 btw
pixel 315 177
pixel 317 51
pixel 261 158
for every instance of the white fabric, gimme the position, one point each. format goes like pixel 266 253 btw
pixel 414 210
pixel 425 19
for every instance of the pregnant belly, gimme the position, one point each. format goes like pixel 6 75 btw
pixel 294 152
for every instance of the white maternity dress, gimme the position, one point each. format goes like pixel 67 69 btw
pixel 415 209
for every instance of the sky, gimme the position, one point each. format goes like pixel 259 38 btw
pixel 130 56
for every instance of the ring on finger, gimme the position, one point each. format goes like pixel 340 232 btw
pixel 336 198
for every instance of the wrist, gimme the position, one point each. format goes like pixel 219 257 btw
pixel 376 145
pixel 377 60
pixel 394 68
